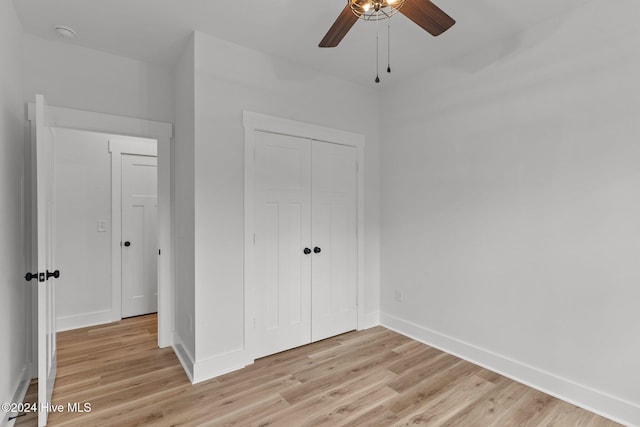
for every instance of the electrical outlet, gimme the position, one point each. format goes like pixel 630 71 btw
pixel 398 295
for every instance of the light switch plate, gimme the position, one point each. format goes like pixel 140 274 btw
pixel 102 225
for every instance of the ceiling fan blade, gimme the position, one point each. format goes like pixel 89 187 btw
pixel 427 15
pixel 339 28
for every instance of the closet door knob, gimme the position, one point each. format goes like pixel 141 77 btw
pixel 127 244
pixel 317 250
pixel 307 251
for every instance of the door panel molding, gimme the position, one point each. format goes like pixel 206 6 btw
pixel 254 123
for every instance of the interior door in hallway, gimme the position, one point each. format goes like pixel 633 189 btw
pixel 282 209
pixel 334 236
pixel 139 235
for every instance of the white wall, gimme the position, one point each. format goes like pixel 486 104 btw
pixel 13 288
pixel 228 80
pixel 511 206
pixel 184 205
pixel 83 255
pixel 86 79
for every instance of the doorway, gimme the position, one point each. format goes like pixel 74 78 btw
pixel 65 119
pixel 104 196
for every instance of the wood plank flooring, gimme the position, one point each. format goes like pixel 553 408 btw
pixel 368 378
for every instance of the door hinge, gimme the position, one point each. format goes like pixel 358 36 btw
pixel 159 252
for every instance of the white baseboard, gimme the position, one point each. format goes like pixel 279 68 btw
pixel 369 320
pixel 184 356
pixel 592 400
pixel 18 396
pixel 209 368
pixel 83 320
pixel 220 365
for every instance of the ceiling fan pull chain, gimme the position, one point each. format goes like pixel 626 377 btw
pixel 389 45
pixel 377 55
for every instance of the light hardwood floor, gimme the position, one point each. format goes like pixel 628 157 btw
pixel 369 378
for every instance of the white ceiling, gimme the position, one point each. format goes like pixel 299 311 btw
pixel 156 30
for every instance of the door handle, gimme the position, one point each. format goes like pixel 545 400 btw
pixel 40 277
pixel 55 274
pixel 127 243
pixel 307 251
pixel 317 250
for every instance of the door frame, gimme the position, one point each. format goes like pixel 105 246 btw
pixel 257 122
pixel 118 147
pixel 162 132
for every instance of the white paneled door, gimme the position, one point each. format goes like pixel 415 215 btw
pixel 334 237
pixel 44 209
pixel 139 235
pixel 305 253
pixel 282 230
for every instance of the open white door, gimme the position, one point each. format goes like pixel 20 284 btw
pixel 43 258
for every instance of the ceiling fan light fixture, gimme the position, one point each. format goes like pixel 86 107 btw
pixel 424 13
pixel 375 10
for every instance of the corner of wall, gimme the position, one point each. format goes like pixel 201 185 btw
pixel 219 365
pixel 369 320
pixel 184 206
pixel 184 356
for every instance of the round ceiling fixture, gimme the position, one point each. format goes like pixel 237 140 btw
pixel 66 32
pixel 375 10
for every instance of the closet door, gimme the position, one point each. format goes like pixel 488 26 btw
pixel 282 224
pixel 334 237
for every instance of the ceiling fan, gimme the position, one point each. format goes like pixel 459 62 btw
pixel 423 12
